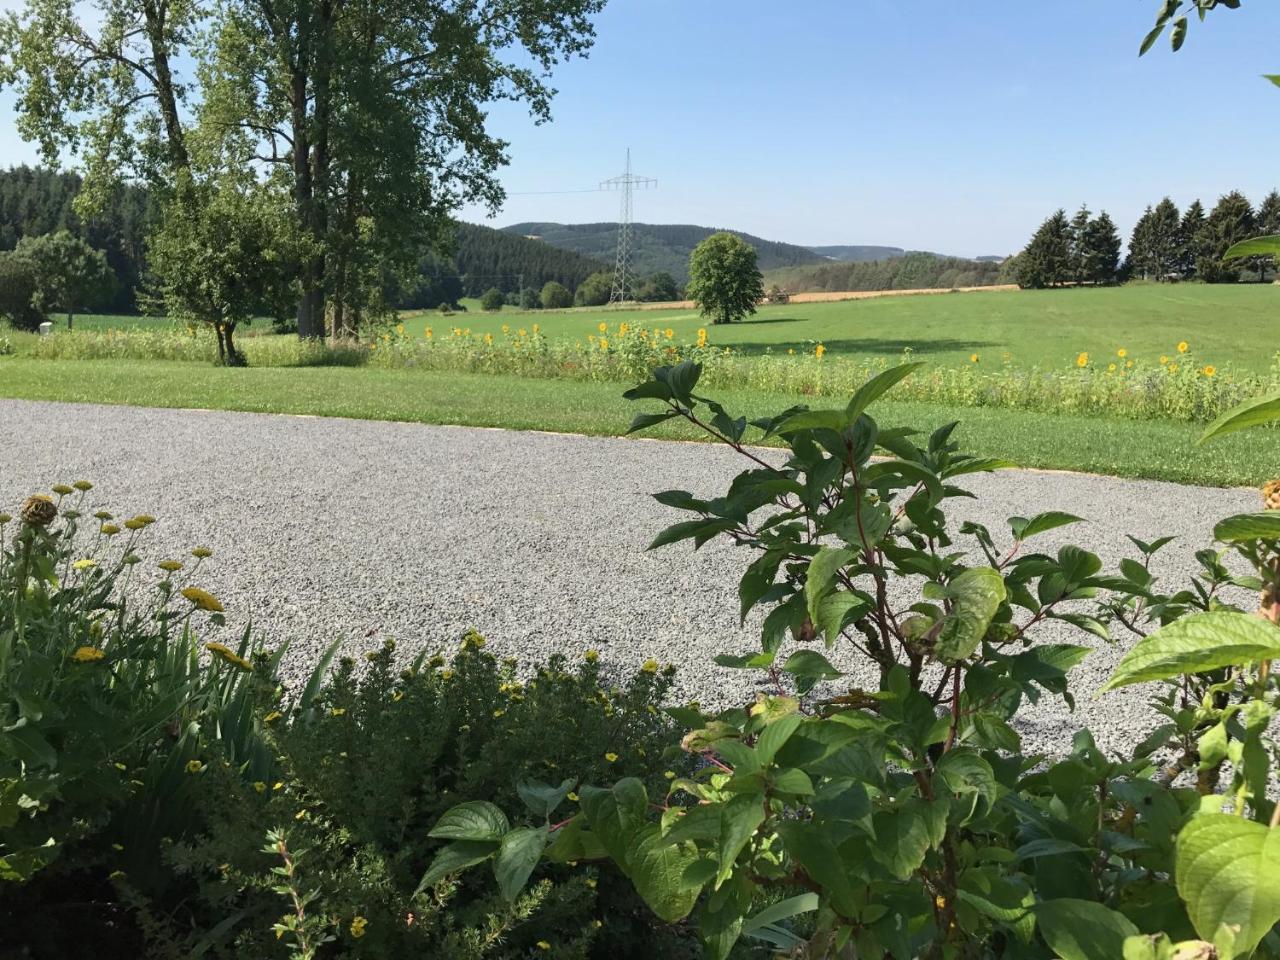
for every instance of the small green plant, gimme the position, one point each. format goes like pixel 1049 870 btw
pixel 831 820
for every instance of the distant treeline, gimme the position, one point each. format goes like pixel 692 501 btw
pixel 1165 245
pixel 914 271
pixel 35 201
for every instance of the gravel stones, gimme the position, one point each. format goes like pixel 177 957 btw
pixel 327 529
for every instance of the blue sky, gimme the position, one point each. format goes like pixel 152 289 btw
pixel 916 123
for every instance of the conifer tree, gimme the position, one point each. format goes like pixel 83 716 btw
pixel 1101 250
pixel 1046 260
pixel 1190 239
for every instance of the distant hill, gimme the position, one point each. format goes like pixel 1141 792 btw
pixel 912 271
pixel 658 247
pixel 487 257
pixel 857 254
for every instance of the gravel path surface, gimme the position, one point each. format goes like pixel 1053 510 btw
pixel 327 528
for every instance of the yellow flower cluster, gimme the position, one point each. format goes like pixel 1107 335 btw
pixel 202 599
pixel 88 654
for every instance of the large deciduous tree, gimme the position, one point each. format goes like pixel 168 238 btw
pixel 724 278
pixel 374 113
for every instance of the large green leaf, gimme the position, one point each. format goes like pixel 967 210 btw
pixel 877 387
pixel 977 594
pixel 517 857
pixel 616 815
pixel 906 833
pixel 657 868
pixel 1195 643
pixel 1024 529
pixel 1228 872
pixel 455 857
pixel 473 820
pixel 819 580
pixel 739 820
pixel 1083 929
pixel 1249 526
pixel 1257 247
pixel 1251 413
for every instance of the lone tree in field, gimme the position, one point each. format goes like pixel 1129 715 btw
pixel 492 301
pixel 724 279
pixel 70 274
pixel 222 256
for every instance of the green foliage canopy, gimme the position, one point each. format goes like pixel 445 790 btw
pixel 724 279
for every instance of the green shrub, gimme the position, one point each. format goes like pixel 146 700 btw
pixel 365 765
pixel 905 820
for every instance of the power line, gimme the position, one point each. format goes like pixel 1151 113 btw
pixel 547 193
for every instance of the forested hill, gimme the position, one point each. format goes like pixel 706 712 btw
pixel 858 253
pixel 487 258
pixel 657 247
pixel 35 201
pixel 915 271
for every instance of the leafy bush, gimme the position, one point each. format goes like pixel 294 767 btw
pixel 19 285
pixel 905 821
pixel 164 796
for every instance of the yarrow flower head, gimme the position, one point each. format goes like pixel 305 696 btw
pixel 84 486
pixel 85 564
pixel 88 654
pixel 170 566
pixel 61 489
pixel 110 529
pixel 650 666
pixel 203 599
pixel 202 553
pixel 225 653
pixel 358 925
pixel 591 656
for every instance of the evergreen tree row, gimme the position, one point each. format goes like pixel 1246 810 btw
pixel 1165 245
pixel 1084 249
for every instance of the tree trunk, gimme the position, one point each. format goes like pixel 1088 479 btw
pixel 310 318
pixel 165 96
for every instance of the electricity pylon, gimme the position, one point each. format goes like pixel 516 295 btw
pixel 622 281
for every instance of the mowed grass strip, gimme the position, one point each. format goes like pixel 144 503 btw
pixel 1157 450
pixel 1225 325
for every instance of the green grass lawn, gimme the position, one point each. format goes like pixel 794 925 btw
pixel 1118 447
pixel 1235 325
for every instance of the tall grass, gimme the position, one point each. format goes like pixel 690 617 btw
pixel 1181 387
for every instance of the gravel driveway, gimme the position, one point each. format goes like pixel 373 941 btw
pixel 328 528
